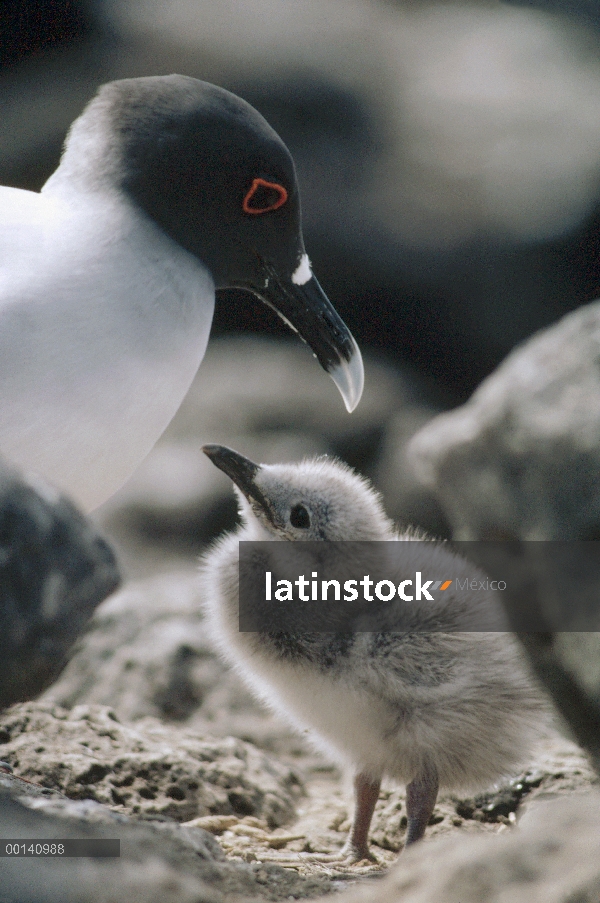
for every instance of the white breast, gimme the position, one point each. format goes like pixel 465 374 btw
pixel 103 323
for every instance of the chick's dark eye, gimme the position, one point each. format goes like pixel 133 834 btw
pixel 299 517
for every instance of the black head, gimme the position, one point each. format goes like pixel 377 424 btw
pixel 212 173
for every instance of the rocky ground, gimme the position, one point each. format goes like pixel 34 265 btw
pixel 147 736
pixel 263 808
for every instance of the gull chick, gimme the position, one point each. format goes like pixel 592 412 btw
pixel 431 710
pixel 168 188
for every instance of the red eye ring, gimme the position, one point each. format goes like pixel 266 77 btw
pixel 262 183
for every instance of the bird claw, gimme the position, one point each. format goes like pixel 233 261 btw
pixel 347 856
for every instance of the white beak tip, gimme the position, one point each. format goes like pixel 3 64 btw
pixel 349 377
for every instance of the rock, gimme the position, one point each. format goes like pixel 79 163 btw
pixel 159 861
pixel 521 458
pixel 145 873
pixel 520 461
pixel 553 858
pixel 159 847
pixel 407 501
pixel 147 652
pixel 149 770
pixel 55 568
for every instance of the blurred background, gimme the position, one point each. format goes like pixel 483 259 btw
pixel 448 156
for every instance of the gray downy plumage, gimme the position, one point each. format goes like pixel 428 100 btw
pixel 454 710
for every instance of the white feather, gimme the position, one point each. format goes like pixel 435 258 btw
pixel 103 323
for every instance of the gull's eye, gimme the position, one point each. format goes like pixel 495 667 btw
pixel 299 517
pixel 264 196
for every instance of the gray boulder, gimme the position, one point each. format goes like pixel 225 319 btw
pixel 407 501
pixel 521 458
pixel 159 861
pixel 520 461
pixel 553 857
pixel 55 568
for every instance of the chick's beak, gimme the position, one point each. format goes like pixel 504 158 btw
pixel 239 469
pixel 303 305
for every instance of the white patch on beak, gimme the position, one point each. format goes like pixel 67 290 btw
pixel 349 377
pixel 303 272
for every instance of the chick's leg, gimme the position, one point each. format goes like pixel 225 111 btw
pixel 356 848
pixel 366 794
pixel 421 795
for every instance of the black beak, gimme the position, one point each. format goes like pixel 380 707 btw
pixel 307 310
pixel 239 469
